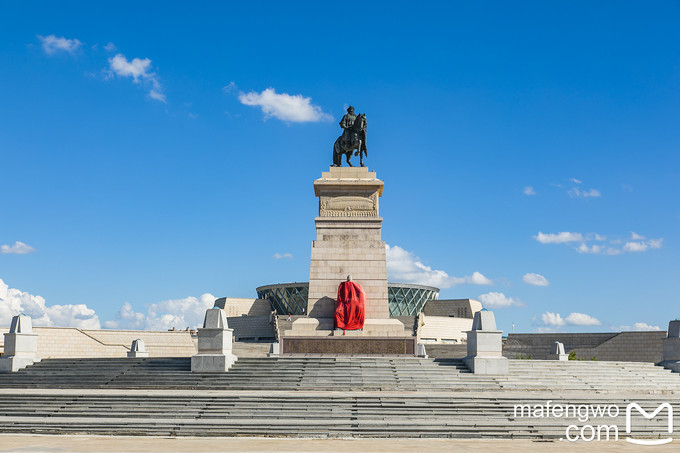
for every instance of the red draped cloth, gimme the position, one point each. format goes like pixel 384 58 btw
pixel 349 313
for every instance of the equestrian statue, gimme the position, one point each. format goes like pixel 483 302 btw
pixel 353 138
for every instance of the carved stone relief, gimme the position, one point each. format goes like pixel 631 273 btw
pixel 348 206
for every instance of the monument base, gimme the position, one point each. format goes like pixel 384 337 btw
pixel 348 346
pixel 212 363
pixel 324 327
pixel 487 365
pixel 13 363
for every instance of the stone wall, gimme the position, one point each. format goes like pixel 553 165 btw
pixel 69 342
pixel 237 306
pixel 252 327
pixel 459 308
pixel 627 346
pixel 613 346
pixel 442 329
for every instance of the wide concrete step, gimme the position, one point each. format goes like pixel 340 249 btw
pixel 332 373
pixel 327 416
pixel 248 373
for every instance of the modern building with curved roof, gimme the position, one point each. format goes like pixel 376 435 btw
pixel 405 299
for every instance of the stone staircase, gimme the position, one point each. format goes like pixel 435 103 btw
pixel 325 397
pixel 320 415
pixel 313 374
pixel 338 373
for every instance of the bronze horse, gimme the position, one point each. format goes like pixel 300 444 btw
pixel 356 141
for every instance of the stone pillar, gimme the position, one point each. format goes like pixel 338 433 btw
pixel 21 345
pixel 274 350
pixel 214 344
pixel 348 241
pixel 671 347
pixel 557 352
pixel 485 346
pixel 137 349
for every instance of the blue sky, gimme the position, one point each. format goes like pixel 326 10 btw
pixel 157 155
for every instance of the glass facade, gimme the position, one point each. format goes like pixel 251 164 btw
pixel 286 298
pixel 407 299
pixel 404 299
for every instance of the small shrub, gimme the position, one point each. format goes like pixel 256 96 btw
pixel 572 355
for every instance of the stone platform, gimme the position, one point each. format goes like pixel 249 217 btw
pixel 348 345
pixel 325 327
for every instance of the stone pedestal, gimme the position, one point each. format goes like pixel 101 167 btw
pixel 485 346
pixel 348 241
pixel 323 327
pixel 21 345
pixel 671 347
pixel 138 349
pixel 557 352
pixel 274 350
pixel 214 344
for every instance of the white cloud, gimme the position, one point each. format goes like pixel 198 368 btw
pixel 635 247
pixel 576 181
pixel 286 107
pixel 642 246
pixel 51 44
pixel 574 319
pixel 127 317
pixel 535 279
pixel 137 68
pixel 404 266
pixel 639 245
pixel 79 316
pixel 558 238
pixel 278 256
pixel 14 302
pixel 179 313
pixel 637 237
pixel 499 300
pixel 157 95
pixel 19 248
pixel 552 319
pixel 545 330
pixel 140 70
pixel 581 319
pixel 597 249
pixel 230 87
pixel 111 47
pixel 655 243
pixel 639 326
pixel 576 192
pixel 528 190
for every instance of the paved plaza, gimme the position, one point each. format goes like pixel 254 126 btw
pixel 95 444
